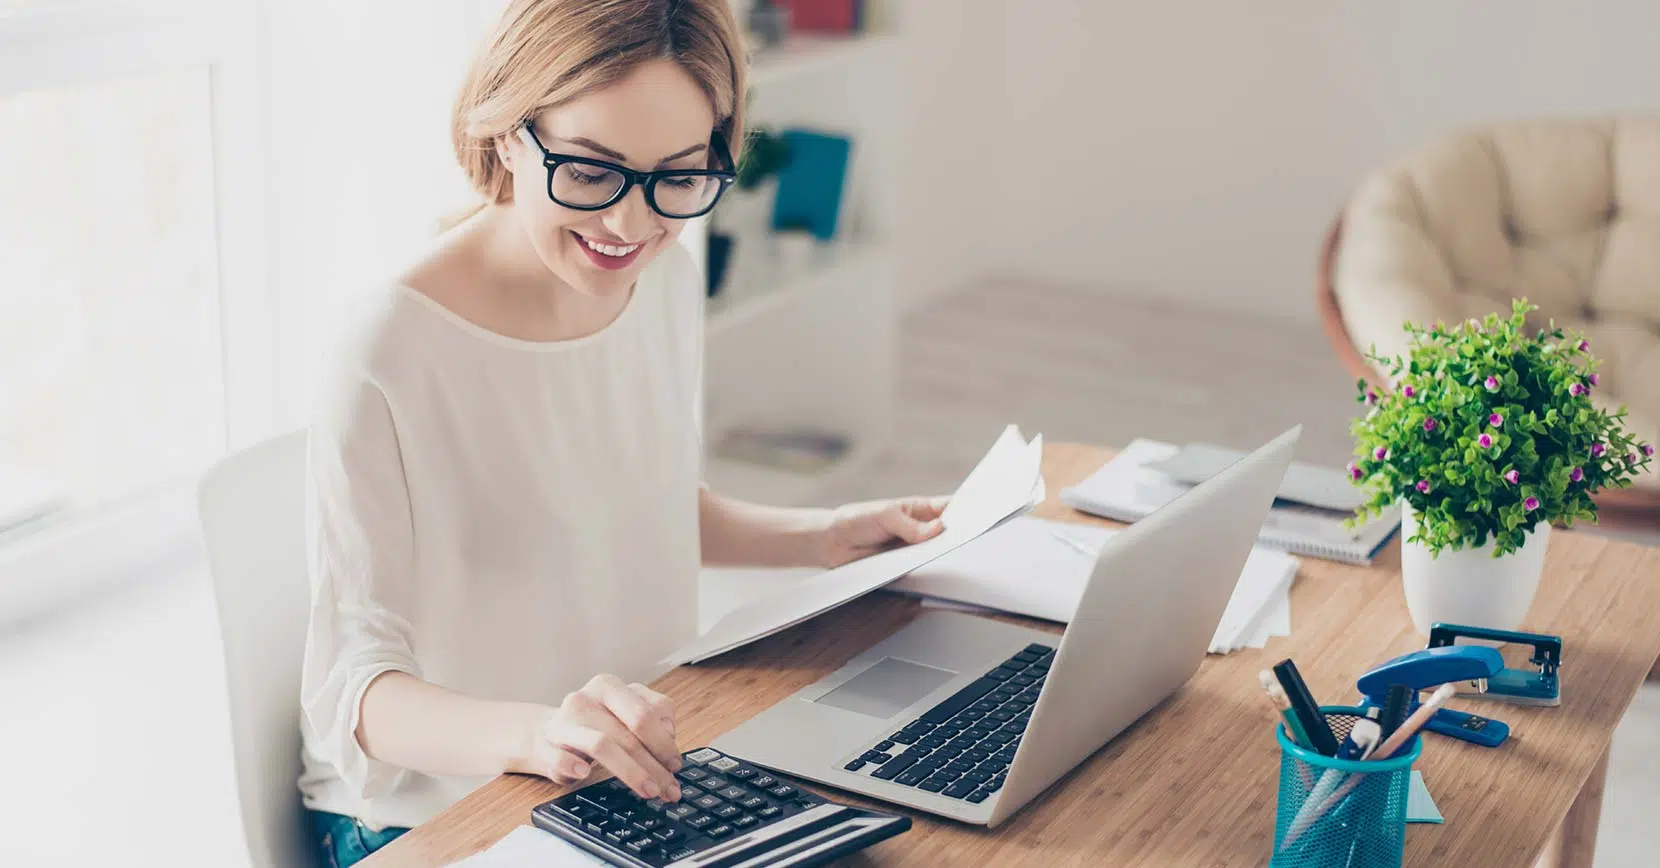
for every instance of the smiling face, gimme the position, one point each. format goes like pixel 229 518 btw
pixel 655 118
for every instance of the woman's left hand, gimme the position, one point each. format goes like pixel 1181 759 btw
pixel 858 530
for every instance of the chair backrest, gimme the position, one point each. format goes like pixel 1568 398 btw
pixel 253 517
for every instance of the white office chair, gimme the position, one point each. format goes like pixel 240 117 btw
pixel 253 517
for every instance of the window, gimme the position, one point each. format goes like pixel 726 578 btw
pixel 110 374
pixel 135 339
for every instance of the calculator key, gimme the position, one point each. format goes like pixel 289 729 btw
pixel 763 781
pixel 727 812
pixel 619 835
pixel 691 774
pixel 699 821
pixel 647 824
pixel 667 835
pixel 782 791
pixel 679 812
pixel 753 802
pixel 689 793
pixel 654 804
pixel 769 812
pixel 718 832
pixel 677 855
pixel 744 821
pixel 742 773
pixel 733 793
pixel 707 754
pixel 597 826
pixel 707 803
pixel 724 764
pixel 714 783
pixel 640 845
pixel 856 764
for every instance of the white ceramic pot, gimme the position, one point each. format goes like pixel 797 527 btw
pixel 1470 586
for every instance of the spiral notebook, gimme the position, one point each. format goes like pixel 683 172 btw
pixel 1127 490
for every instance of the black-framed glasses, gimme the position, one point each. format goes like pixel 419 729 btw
pixel 585 184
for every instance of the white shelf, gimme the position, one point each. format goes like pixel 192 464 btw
pixel 842 264
pixel 807 54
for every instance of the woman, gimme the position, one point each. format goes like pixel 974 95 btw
pixel 506 512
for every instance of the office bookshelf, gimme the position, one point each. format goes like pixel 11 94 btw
pixel 813 344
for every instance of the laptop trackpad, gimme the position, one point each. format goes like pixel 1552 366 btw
pixel 887 687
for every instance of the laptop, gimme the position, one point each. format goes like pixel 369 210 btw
pixel 970 718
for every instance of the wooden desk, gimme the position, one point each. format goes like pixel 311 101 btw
pixel 1194 782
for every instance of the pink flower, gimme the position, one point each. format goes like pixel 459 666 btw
pixel 1409 391
pixel 1584 346
pixel 1576 390
pixel 1492 384
pixel 1597 449
pixel 1577 475
pixel 1631 458
pixel 1354 471
pixel 1595 379
pixel 1423 486
pixel 1648 450
pixel 1485 441
pixel 1530 504
pixel 1381 453
pixel 1495 420
pixel 1429 424
pixel 1371 397
pixel 1513 477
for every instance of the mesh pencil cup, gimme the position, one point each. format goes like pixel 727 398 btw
pixel 1343 813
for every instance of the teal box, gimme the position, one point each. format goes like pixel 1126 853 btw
pixel 1365 827
pixel 812 183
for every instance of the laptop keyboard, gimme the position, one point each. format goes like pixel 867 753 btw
pixel 962 747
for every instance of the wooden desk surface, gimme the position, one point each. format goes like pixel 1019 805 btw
pixel 1194 782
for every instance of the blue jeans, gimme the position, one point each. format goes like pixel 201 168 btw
pixel 344 841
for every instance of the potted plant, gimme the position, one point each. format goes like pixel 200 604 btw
pixel 1488 438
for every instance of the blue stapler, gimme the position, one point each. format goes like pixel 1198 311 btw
pixel 1430 668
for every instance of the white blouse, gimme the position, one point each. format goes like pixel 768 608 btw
pixel 500 517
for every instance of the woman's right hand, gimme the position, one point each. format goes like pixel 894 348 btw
pixel 627 728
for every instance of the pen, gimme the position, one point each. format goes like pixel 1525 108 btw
pixel 1402 735
pixel 1395 706
pixel 1320 737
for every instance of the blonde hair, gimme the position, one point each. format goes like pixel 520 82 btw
pixel 547 52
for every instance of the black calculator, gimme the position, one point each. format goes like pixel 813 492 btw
pixel 730 813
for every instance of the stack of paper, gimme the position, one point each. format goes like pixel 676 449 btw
pixel 1126 489
pixel 1038 568
pixel 530 847
pixel 1008 481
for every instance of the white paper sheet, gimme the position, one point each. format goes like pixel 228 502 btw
pixel 1004 484
pixel 1038 568
pixel 529 847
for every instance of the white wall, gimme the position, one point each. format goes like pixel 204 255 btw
pixel 952 81
pixel 1198 150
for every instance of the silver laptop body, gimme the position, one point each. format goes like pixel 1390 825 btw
pixel 1145 619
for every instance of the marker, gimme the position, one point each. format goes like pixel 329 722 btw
pixel 1320 736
